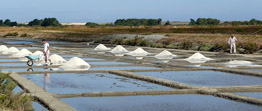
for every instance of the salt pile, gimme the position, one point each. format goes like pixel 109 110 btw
pixel 22 53
pixel 138 52
pixel 76 63
pixel 11 50
pixel 101 47
pixel 165 55
pixel 198 58
pixel 119 49
pixel 238 63
pixel 57 59
pixel 39 53
pixel 3 48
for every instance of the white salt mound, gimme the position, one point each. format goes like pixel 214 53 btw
pixel 101 47
pixel 22 53
pixel 165 55
pixel 38 53
pixel 138 52
pixel 239 62
pixel 3 48
pixel 11 50
pixel 198 56
pixel 119 49
pixel 76 63
pixel 57 59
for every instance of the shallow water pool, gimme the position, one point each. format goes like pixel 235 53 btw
pixel 158 103
pixel 206 78
pixel 93 82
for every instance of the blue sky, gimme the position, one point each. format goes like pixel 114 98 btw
pixel 110 10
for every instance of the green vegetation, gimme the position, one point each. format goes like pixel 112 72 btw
pixel 7 22
pixel 138 22
pixel 25 35
pixel 248 48
pixel 14 34
pixel 35 22
pixel 204 21
pixel 91 24
pixel 50 22
pixel 46 22
pixel 11 101
pixel 236 23
pixel 167 23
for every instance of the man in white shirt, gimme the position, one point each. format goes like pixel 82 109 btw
pixel 232 42
pixel 46 52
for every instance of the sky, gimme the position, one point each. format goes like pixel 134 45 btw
pixel 103 11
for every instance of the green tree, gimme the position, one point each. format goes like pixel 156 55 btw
pixel 7 22
pixel 192 22
pixel 167 23
pixel 50 22
pixel 91 24
pixel 35 22
pixel 1 23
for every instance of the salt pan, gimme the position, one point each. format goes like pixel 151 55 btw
pixel 76 63
pixel 57 59
pixel 11 50
pixel 3 48
pixel 101 47
pixel 138 52
pixel 165 55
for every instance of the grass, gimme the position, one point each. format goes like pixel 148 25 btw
pixel 207 38
pixel 11 101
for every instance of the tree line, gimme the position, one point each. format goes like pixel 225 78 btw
pixel 138 22
pixel 45 22
pixel 7 22
pixel 251 22
pixel 204 21
pixel 211 21
pixel 132 22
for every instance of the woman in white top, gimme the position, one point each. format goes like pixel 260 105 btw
pixel 46 51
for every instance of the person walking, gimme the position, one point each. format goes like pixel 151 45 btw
pixel 46 52
pixel 232 42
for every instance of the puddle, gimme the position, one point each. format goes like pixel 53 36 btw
pixel 206 78
pixel 199 66
pixel 108 63
pixel 158 103
pixel 17 89
pixel 122 68
pixel 8 60
pixel 13 64
pixel 95 82
pixel 251 94
pixel 18 42
pixel 38 107
pixel 30 69
pixel 257 70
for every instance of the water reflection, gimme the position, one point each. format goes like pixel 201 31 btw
pixel 46 80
